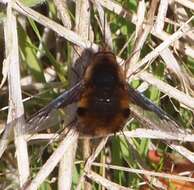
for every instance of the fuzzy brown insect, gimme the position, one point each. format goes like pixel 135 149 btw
pixel 104 100
pixel 103 107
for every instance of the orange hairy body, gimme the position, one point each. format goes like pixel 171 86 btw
pixel 103 107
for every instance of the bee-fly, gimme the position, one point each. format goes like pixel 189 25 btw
pixel 103 107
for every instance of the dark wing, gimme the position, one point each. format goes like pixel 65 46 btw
pixel 70 96
pixel 148 113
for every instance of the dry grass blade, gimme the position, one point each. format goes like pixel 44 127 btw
pixel 4 73
pixel 187 3
pixel 142 35
pixel 173 66
pixel 62 7
pixel 153 134
pixel 183 151
pixel 106 32
pixel 90 160
pixel 105 182
pixel 183 30
pixel 66 168
pixel 16 109
pixel 167 89
pixel 150 173
pixel 136 133
pixel 161 16
pixel 51 163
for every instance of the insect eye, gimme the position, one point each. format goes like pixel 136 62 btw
pixel 81 111
pixel 126 112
